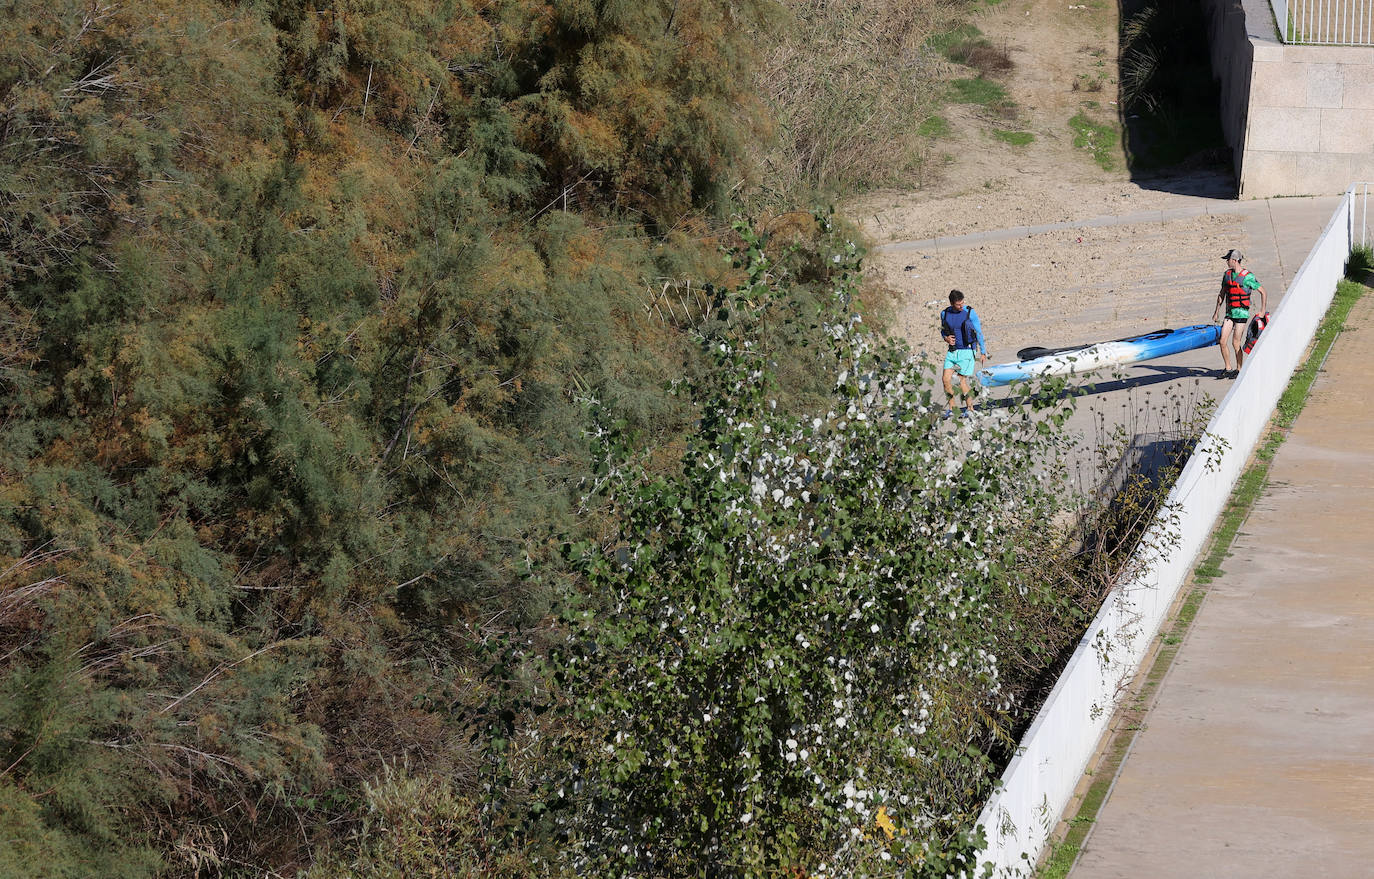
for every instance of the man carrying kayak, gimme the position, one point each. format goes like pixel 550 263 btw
pixel 1237 285
pixel 963 333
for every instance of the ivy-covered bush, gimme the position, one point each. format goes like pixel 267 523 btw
pixel 788 659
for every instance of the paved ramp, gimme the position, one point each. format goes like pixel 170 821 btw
pixel 1257 759
pixel 1159 284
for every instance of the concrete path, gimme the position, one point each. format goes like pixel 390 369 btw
pixel 1257 759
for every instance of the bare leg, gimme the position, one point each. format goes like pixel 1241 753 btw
pixel 1224 343
pixel 950 396
pixel 1238 335
pixel 968 395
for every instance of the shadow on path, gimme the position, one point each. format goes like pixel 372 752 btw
pixel 1161 375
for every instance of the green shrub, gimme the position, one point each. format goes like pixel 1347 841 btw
pixel 789 659
pixel 1360 264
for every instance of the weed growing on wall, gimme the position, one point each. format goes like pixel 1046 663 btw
pixel 789 655
pixel 1360 264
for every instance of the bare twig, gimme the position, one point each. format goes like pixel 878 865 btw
pixel 223 667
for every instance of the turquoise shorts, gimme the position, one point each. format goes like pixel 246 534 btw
pixel 960 360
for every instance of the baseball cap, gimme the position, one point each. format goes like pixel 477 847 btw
pixel 1235 255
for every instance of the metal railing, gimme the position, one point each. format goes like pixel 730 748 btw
pixel 1361 233
pixel 1325 22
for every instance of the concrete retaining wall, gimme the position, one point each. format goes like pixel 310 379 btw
pixel 1055 751
pixel 1232 59
pixel 1311 120
pixel 1297 118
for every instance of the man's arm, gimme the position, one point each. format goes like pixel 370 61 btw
pixel 1259 288
pixel 1221 297
pixel 978 331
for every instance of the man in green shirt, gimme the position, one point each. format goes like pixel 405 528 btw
pixel 1237 285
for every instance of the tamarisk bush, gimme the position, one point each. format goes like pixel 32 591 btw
pixel 788 660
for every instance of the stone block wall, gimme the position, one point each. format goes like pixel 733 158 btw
pixel 1299 119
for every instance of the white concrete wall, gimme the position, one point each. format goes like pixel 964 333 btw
pixel 1040 780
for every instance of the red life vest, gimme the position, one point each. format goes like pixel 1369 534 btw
pixel 1237 296
pixel 1252 332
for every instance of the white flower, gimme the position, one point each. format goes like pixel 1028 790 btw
pixel 746 817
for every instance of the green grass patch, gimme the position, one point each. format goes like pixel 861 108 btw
pixel 1015 138
pixel 1290 404
pixel 946 40
pixel 977 91
pixel 1098 138
pixel 934 127
pixel 1248 489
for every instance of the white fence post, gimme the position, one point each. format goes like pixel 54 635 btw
pixel 1325 22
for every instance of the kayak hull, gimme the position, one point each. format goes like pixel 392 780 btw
pixel 1089 358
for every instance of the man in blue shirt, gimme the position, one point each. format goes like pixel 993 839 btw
pixel 963 333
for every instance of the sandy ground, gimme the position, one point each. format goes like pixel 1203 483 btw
pixel 1060 287
pixel 1067 286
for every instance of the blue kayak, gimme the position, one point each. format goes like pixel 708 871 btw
pixel 1079 359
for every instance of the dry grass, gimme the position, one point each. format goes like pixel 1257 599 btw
pixel 848 86
pixel 982 56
